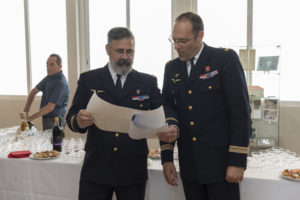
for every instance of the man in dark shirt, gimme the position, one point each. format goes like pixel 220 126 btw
pixel 55 97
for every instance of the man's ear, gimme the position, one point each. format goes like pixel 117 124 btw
pixel 107 48
pixel 201 35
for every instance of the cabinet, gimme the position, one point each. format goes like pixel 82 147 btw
pixel 262 70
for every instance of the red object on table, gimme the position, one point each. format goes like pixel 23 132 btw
pixel 19 154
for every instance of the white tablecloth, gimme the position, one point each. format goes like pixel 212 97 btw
pixel 26 179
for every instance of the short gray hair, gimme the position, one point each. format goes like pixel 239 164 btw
pixel 118 33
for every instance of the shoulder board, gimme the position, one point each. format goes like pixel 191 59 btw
pixel 168 61
pixel 227 49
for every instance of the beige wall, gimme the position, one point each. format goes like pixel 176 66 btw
pixel 289 128
pixel 289 136
pixel 11 106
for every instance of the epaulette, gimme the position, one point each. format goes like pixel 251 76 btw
pixel 153 75
pixel 226 49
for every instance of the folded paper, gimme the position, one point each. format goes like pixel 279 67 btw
pixel 138 123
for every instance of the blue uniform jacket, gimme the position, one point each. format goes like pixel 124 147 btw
pixel 211 109
pixel 114 158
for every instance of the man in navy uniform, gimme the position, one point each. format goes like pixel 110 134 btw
pixel 113 162
pixel 207 91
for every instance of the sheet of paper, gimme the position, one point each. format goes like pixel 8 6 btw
pixel 148 124
pixel 109 117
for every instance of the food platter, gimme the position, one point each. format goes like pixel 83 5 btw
pixel 48 158
pixel 291 174
pixel 154 154
pixel 45 155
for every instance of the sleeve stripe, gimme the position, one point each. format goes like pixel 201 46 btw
pixel 238 149
pixel 72 122
pixel 166 147
pixel 171 119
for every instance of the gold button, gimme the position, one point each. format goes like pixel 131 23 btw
pixel 141 105
pixel 194 139
pixel 190 107
pixel 115 149
pixel 117 135
pixel 190 91
pixel 192 123
pixel 209 87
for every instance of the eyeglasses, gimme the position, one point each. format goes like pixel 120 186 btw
pixel 128 52
pixel 180 42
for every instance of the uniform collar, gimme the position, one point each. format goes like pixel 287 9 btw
pixel 199 53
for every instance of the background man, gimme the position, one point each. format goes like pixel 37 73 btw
pixel 55 96
pixel 207 90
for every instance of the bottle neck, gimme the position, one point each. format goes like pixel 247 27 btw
pixel 56 121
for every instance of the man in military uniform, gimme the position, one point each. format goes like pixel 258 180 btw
pixel 207 91
pixel 113 162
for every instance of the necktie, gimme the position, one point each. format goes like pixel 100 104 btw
pixel 193 68
pixel 118 83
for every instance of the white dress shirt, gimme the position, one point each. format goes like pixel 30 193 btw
pixel 188 64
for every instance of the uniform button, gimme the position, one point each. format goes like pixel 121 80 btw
pixel 190 107
pixel 141 105
pixel 209 87
pixel 117 135
pixel 115 149
pixel 192 123
pixel 190 91
pixel 194 139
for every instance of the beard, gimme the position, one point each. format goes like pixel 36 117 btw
pixel 122 66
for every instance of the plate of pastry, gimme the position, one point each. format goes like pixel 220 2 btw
pixel 154 154
pixel 45 155
pixel 291 174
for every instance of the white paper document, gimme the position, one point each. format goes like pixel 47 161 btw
pixel 138 123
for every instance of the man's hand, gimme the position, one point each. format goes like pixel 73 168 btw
pixel 84 119
pixel 170 173
pixel 22 115
pixel 169 136
pixel 234 174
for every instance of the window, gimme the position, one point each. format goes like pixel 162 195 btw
pixel 102 17
pixel 13 74
pixel 275 23
pixel 225 22
pixel 47 35
pixel 151 31
pixel 151 25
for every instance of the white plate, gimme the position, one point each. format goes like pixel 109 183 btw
pixel 154 157
pixel 290 178
pixel 49 158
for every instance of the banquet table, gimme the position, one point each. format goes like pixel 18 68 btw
pixel 58 179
